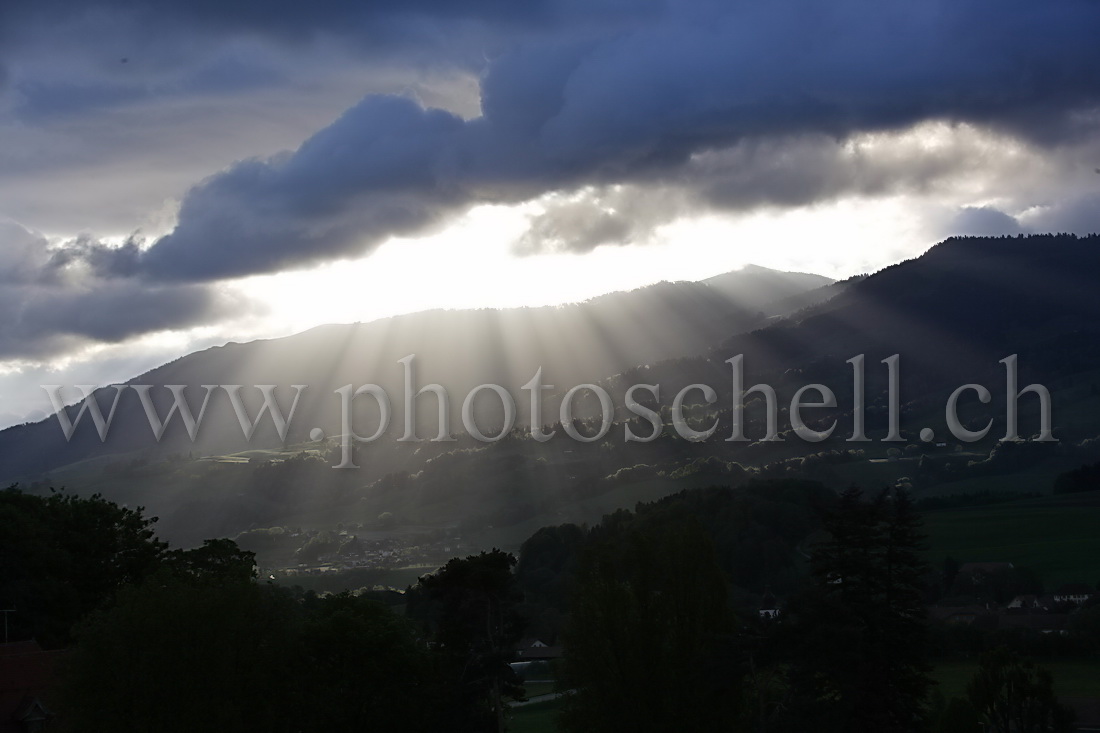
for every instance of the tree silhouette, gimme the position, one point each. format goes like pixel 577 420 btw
pixel 469 609
pixel 649 617
pixel 857 636
pixel 1015 696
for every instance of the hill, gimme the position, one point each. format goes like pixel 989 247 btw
pixel 951 315
pixel 573 344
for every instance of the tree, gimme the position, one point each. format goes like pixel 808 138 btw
pixel 649 615
pixel 173 655
pixel 469 608
pixel 1015 696
pixel 958 716
pixel 1085 478
pixel 366 668
pixel 62 556
pixel 181 653
pixel 219 559
pixel 857 636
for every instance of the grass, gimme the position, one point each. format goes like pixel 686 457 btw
pixel 1072 678
pixel 1038 479
pixel 537 718
pixel 1055 535
pixel 341 580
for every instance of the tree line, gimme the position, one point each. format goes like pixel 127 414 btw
pixel 654 608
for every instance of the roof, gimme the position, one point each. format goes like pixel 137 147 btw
pixel 27 675
pixel 543 652
pixel 19 647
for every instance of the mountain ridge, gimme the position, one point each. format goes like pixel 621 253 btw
pixel 574 343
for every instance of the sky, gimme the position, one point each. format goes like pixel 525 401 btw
pixel 175 175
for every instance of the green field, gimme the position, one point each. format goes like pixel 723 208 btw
pixel 339 581
pixel 1072 678
pixel 1057 536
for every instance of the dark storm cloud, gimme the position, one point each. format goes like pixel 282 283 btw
pixel 52 301
pixel 165 36
pixel 72 58
pixel 41 322
pixel 381 169
pixel 641 104
pixel 731 105
pixel 49 100
pixel 287 19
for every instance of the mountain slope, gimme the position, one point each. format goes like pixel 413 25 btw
pixel 951 315
pixel 756 284
pixel 573 344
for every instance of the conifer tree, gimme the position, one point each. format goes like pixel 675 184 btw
pixel 857 636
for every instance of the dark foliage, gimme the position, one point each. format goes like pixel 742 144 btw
pixel 468 610
pixel 857 637
pixel 649 620
pixel 1014 696
pixel 1085 478
pixel 176 654
pixel 62 557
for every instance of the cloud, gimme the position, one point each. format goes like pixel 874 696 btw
pixel 287 19
pixel 576 226
pixel 931 160
pixel 22 256
pixel 611 215
pixel 53 300
pixel 74 57
pixel 710 105
pixel 983 221
pixel 1078 215
pixel 654 101
pixel 190 99
pixel 380 170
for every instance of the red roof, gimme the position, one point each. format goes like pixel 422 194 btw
pixel 27 676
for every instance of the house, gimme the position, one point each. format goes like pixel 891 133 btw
pixel 769 607
pixel 530 650
pixel 26 682
pixel 1028 601
pixel 1076 593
